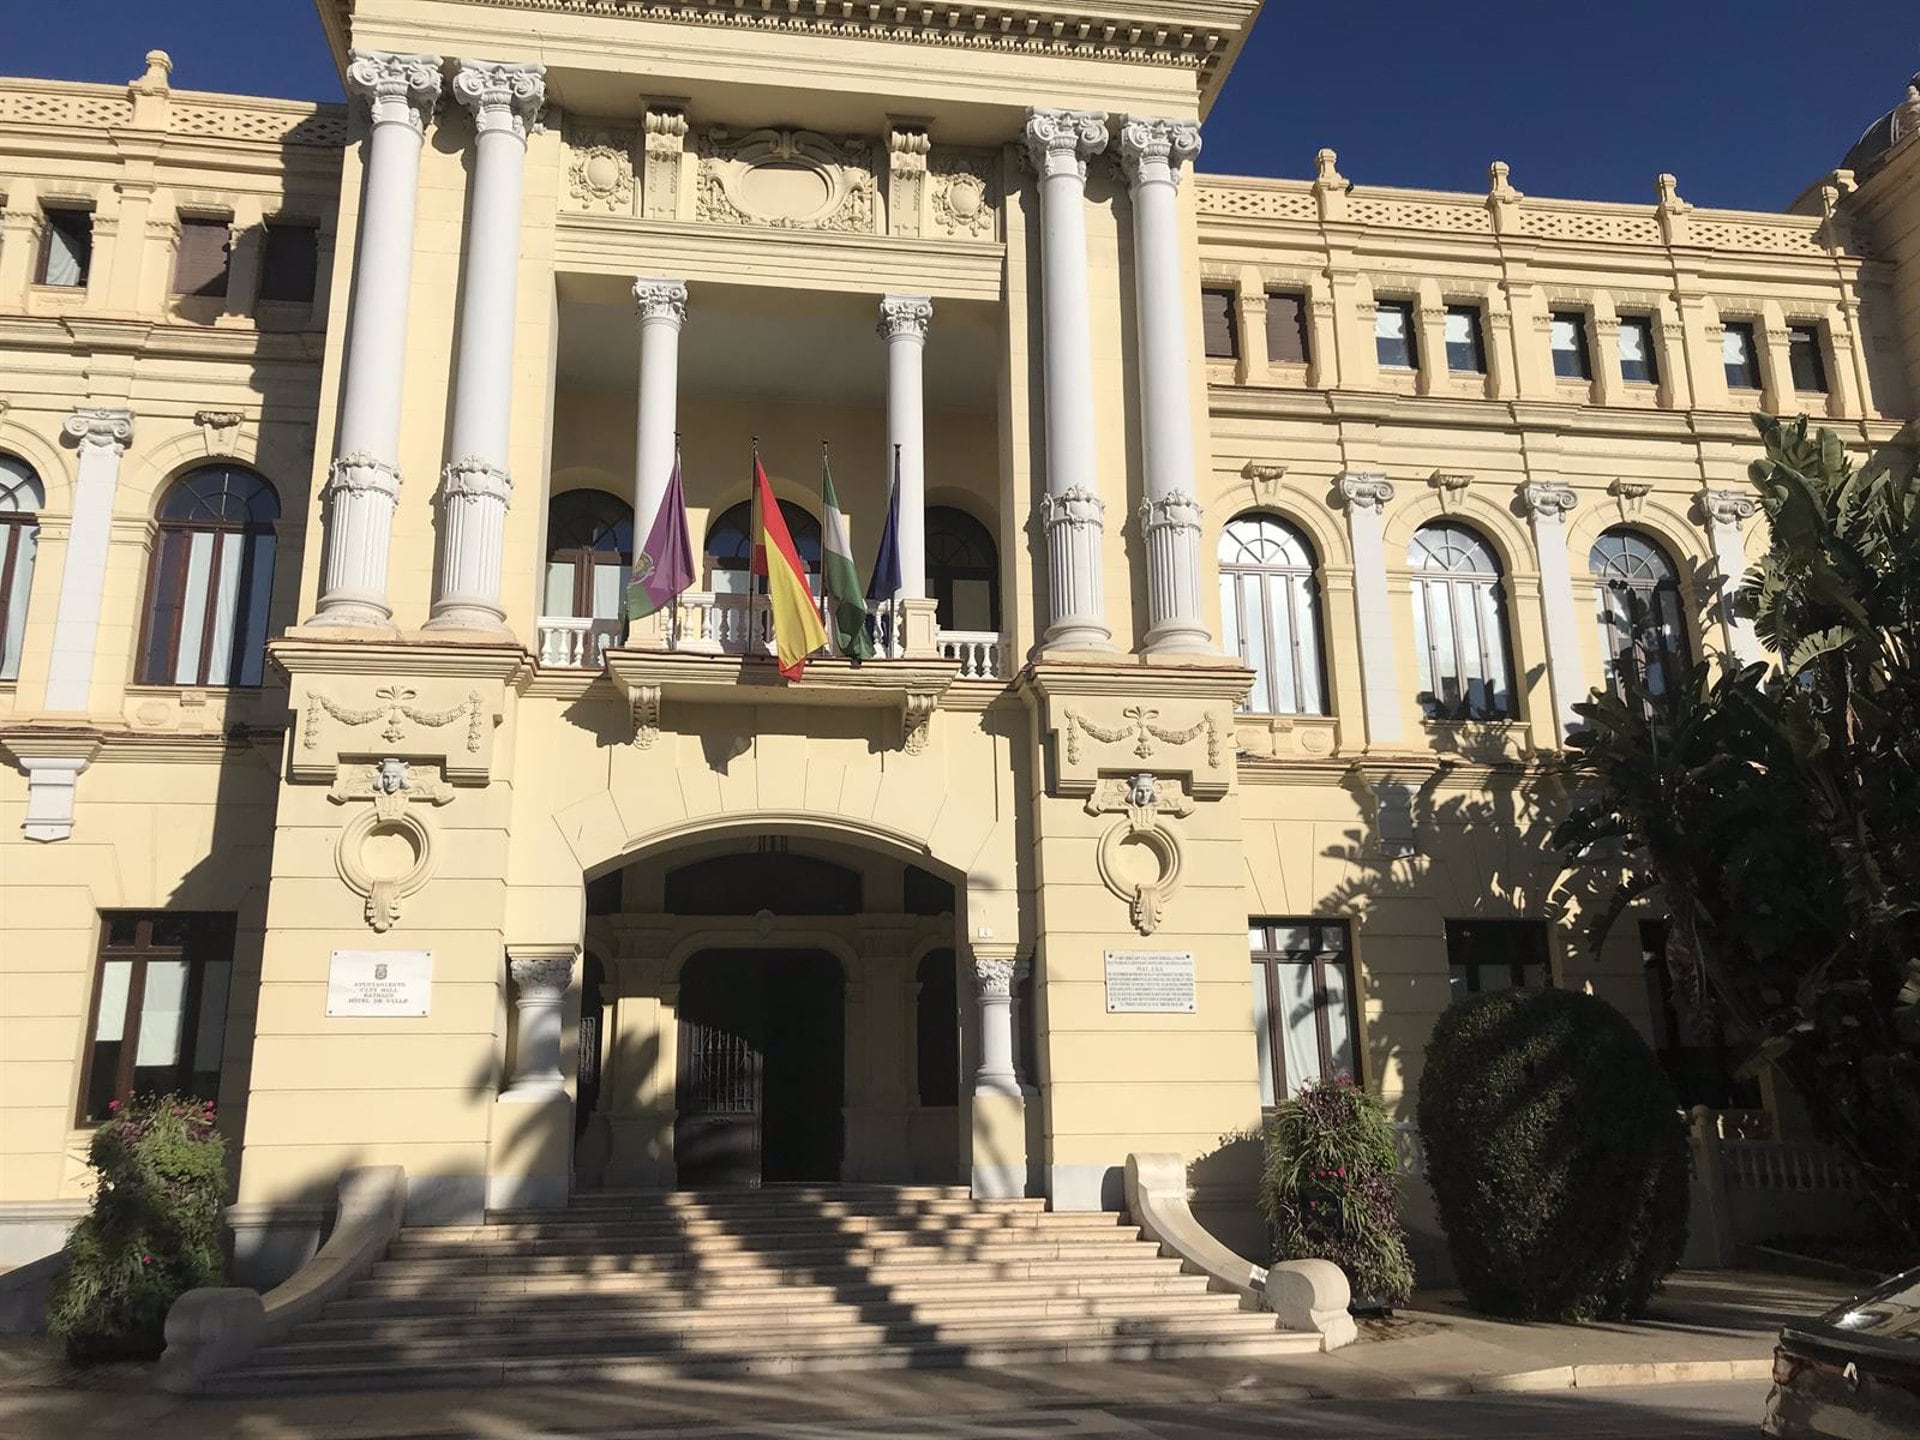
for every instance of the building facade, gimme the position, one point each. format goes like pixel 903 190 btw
pixel 1255 536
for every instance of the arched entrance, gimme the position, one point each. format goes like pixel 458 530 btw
pixel 761 1058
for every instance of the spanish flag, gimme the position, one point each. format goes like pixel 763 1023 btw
pixel 797 631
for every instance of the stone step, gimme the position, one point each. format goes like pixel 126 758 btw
pixel 933 1265
pixel 820 1238
pixel 257 1379
pixel 574 1227
pixel 666 1316
pixel 1118 1284
pixel 843 1332
pixel 869 1198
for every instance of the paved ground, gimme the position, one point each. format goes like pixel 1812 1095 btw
pixel 1433 1371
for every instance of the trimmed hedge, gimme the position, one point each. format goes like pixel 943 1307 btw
pixel 153 1233
pixel 1331 1191
pixel 1557 1156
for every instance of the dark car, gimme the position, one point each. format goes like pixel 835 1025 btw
pixel 1854 1373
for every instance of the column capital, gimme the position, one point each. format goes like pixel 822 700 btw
pixel 502 97
pixel 1721 507
pixel 905 317
pixel 1362 491
pixel 1060 142
pixel 1175 510
pixel 91 429
pixel 1547 500
pixel 475 477
pixel 993 975
pixel 1152 150
pixel 661 301
pixel 399 89
pixel 539 973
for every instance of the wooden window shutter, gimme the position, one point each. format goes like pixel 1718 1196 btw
pixel 1286 327
pixel 1216 315
pixel 201 266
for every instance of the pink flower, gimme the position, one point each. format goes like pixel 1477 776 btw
pixel 146 1259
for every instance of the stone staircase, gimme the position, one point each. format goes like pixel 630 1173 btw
pixel 779 1280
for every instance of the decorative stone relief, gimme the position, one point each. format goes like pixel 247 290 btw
pixel 1451 487
pixel 502 97
pixel 219 429
pixel 666 147
pixel 385 852
pixel 907 148
pixel 1728 507
pixel 396 706
pixel 1364 492
pixel 600 167
pixel 993 976
pixel 1547 500
pixel 1631 496
pixel 444 719
pixel 1263 481
pixel 1139 858
pixel 789 179
pixel 645 703
pixel 965 198
pixel 1141 729
pixel 916 722
pixel 402 88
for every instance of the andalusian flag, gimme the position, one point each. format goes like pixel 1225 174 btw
pixel 838 577
pixel 797 631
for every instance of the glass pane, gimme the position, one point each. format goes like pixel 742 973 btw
pixel 1444 669
pixel 1493 636
pixel 1392 337
pixel 1257 938
pixel 1458 986
pixel 973 605
pixel 608 585
pixel 1306 633
pixel 1293 939
pixel 1494 977
pixel 161 1017
pixel 163 623
pixel 193 609
pixel 115 976
pixel 252 637
pixel 1231 639
pixel 1333 939
pixel 25 541
pixel 1339 1018
pixel 1472 652
pixel 66 249
pixel 556 600
pixel 1254 630
pixel 211 1033
pixel 227 552
pixel 1301 1026
pixel 1263 1035
pixel 1286 697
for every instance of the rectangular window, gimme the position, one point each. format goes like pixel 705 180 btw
pixel 66 249
pixel 1567 333
pixel 1741 359
pixel 1808 364
pixel 1466 354
pixel 1303 1004
pixel 1217 320
pixel 1638 364
pixel 1287 341
pixel 1393 339
pixel 159 1008
pixel 290 262
pixel 200 267
pixel 1487 955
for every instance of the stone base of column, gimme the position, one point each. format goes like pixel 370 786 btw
pixel 920 628
pixel 1185 638
pixel 1076 635
pixel 530 1152
pixel 351 620
pixel 470 618
pixel 999 1152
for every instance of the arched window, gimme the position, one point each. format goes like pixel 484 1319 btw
pixel 211 581
pixel 963 571
pixel 1641 623
pixel 21 498
pixel 730 548
pixel 589 555
pixel 1270 614
pixel 1459 625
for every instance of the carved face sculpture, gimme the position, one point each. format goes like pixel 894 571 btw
pixel 1144 792
pixel 392 778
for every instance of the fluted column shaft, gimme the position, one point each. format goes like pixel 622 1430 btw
pixel 363 485
pixel 903 322
pixel 477 486
pixel 1060 143
pixel 662 306
pixel 1152 152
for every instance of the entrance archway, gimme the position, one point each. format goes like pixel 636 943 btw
pixel 762 1044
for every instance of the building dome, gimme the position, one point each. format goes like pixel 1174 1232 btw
pixel 1899 124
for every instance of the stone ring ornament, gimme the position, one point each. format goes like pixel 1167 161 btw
pixel 384 858
pixel 1139 857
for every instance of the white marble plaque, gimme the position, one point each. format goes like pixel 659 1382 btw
pixel 1149 982
pixel 379 982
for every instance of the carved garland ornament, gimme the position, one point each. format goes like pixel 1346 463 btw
pixel 600 172
pixel 397 705
pixel 1143 732
pixel 788 179
pixel 963 195
pixel 1141 802
pixel 385 853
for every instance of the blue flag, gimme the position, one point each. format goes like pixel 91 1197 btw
pixel 885 583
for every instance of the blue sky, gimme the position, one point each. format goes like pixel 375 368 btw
pixel 1746 101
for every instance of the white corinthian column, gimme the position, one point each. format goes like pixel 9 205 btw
pixel 363 485
pixel 1059 143
pixel 476 487
pixel 1151 153
pixel 662 306
pixel 903 323
pixel 540 981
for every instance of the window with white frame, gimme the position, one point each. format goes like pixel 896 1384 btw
pixel 1642 625
pixel 1639 365
pixel 1270 614
pixel 1459 625
pixel 1394 345
pixel 1567 335
pixel 1739 356
pixel 21 499
pixel 211 582
pixel 1466 352
pixel 1304 1011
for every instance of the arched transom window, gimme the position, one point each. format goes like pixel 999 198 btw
pixel 211 581
pixel 589 555
pixel 1641 622
pixel 1459 625
pixel 729 548
pixel 21 499
pixel 1270 614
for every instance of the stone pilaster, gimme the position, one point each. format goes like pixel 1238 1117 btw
pixel 101 438
pixel 1365 498
pixel 1725 512
pixel 1548 504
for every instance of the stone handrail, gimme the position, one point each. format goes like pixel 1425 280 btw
pixel 214 1329
pixel 1306 1295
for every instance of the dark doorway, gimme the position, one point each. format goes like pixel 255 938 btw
pixel 762 1061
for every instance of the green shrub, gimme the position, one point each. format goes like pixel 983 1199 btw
pixel 153 1233
pixel 1330 1190
pixel 1557 1156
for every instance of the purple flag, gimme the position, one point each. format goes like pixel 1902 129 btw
pixel 663 567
